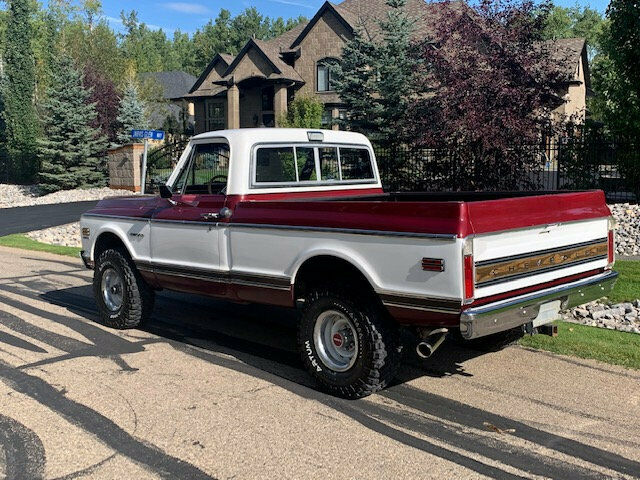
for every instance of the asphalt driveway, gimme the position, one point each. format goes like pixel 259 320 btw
pixel 210 389
pixel 26 219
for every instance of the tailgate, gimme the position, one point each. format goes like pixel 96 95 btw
pixel 525 256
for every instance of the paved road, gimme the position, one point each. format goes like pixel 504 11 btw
pixel 214 390
pixel 26 219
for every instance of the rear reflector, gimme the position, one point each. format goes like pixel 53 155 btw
pixel 611 249
pixel 433 264
pixel 468 279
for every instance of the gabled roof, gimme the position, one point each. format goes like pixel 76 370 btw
pixel 174 84
pixel 219 57
pixel 325 6
pixel 566 53
pixel 271 55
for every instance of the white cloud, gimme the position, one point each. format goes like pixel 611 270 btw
pixel 118 23
pixel 184 7
pixel 296 4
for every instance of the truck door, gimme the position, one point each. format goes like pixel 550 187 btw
pixel 185 235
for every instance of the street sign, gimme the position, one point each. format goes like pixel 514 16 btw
pixel 146 135
pixel 152 134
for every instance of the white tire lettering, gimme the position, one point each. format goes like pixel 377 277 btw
pixel 312 358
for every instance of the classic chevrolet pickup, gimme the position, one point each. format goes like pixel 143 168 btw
pixel 298 218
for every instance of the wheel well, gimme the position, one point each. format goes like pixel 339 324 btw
pixel 325 269
pixel 106 241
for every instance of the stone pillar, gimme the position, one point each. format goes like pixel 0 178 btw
pixel 233 107
pixel 279 102
pixel 124 166
pixel 335 113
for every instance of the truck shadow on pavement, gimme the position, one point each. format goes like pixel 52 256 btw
pixel 260 341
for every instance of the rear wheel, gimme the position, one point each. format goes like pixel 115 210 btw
pixel 124 299
pixel 349 345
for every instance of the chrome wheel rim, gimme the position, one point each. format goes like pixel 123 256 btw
pixel 112 289
pixel 336 340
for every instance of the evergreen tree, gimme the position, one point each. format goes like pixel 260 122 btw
pixel 131 114
pixel 20 123
pixel 355 80
pixel 376 78
pixel 69 151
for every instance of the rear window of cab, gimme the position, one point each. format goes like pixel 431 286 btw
pixel 290 165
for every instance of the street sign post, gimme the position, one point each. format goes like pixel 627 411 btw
pixel 146 135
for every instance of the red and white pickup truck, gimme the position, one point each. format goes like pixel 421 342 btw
pixel 298 218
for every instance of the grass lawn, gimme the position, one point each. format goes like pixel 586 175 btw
pixel 628 285
pixel 609 346
pixel 22 241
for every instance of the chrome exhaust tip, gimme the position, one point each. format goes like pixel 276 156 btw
pixel 424 350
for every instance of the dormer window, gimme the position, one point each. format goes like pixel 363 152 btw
pixel 324 71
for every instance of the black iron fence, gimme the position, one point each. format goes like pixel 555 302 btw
pixel 579 164
pixel 613 166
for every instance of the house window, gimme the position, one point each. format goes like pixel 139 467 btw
pixel 214 115
pixel 326 118
pixel 323 74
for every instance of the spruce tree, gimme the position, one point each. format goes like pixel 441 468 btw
pixel 355 80
pixel 131 114
pixel 376 77
pixel 69 153
pixel 19 121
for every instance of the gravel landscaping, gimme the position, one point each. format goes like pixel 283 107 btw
pixel 627 229
pixel 65 235
pixel 27 195
pixel 624 317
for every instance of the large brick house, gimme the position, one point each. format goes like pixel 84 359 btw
pixel 253 88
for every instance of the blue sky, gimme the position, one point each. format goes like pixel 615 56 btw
pixel 188 15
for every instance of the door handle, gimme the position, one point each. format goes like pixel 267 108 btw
pixel 224 212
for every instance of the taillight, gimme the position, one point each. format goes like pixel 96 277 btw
pixel 469 280
pixel 611 244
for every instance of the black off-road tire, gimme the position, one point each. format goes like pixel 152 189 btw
pixel 379 351
pixel 138 296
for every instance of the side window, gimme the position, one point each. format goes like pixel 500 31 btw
pixel 275 165
pixel 206 170
pixel 355 164
pixel 306 164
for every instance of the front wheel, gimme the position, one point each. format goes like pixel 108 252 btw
pixel 349 345
pixel 124 299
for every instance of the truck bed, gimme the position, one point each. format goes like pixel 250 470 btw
pixel 458 214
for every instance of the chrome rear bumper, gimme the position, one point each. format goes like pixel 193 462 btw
pixel 513 312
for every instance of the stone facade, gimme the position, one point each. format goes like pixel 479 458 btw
pixel 325 40
pixel 125 166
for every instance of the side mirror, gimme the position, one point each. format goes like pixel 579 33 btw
pixel 165 192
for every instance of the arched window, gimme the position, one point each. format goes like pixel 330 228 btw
pixel 323 74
